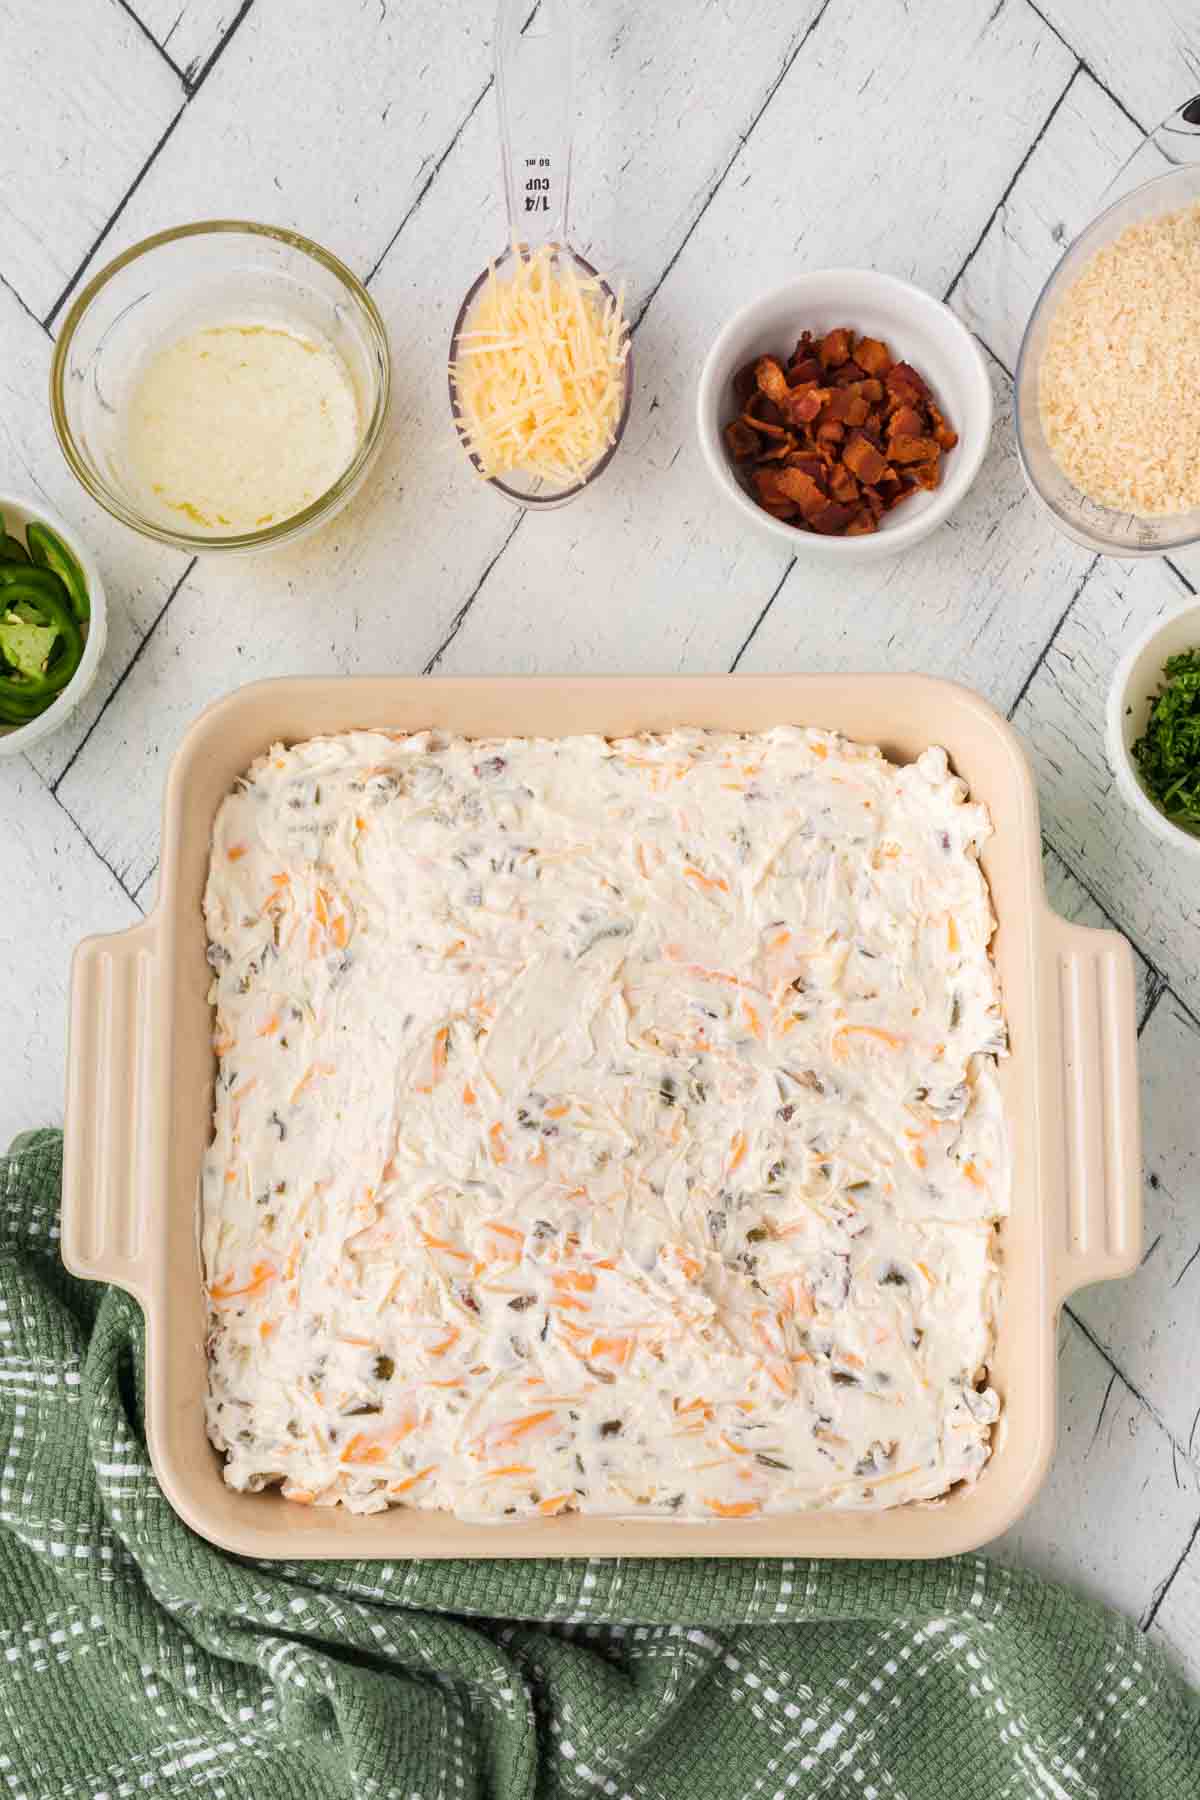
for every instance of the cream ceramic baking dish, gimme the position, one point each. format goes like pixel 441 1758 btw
pixel 141 1069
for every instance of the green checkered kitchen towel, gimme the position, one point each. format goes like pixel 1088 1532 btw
pixel 136 1659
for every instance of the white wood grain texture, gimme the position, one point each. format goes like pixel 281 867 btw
pixel 1149 55
pixel 1150 1324
pixel 327 119
pixel 1176 1627
pixel 690 579
pixel 1072 901
pixel 1056 194
pixel 189 30
pixel 1149 887
pixel 55 892
pixel 72 143
pixel 1117 1507
pixel 137 575
pixel 650 142
pixel 332 120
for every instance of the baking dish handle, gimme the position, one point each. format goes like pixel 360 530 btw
pixel 1092 1135
pixel 108 1141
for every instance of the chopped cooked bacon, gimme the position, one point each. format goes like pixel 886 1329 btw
pixel 846 405
pixel 834 348
pixel 906 421
pixel 904 384
pixel 904 449
pixel 744 385
pixel 742 440
pixel 842 485
pixel 863 460
pixel 772 381
pixel 833 438
pixel 760 407
pixel 927 473
pixel 766 483
pixel 941 431
pixel 873 355
pixel 805 403
pixel 832 519
pixel 772 428
pixel 811 463
pixel 797 486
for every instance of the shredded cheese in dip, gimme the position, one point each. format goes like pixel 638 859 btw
pixel 608 1126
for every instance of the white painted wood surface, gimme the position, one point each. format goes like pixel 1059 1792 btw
pixel 721 146
pixel 189 32
pixel 66 165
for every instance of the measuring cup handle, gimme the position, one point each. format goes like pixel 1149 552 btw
pixel 534 78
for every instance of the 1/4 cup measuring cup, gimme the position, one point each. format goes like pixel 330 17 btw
pixel 534 71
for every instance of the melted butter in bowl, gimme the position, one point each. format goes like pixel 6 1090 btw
pixel 241 426
pixel 222 386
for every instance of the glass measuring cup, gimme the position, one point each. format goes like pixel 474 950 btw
pixel 1161 176
pixel 534 72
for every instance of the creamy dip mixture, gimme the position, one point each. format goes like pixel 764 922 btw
pixel 241 426
pixel 608 1126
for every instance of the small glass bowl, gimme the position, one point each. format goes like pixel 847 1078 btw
pixel 1080 518
pixel 209 273
pixel 523 491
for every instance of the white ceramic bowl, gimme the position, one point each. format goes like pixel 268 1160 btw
pixel 1134 687
pixel 19 512
pixel 917 329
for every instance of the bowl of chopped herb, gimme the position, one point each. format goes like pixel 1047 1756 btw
pixel 1154 727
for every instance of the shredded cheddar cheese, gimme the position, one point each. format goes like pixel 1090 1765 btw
pixel 540 374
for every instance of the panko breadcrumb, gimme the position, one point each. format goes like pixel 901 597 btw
pixel 1121 371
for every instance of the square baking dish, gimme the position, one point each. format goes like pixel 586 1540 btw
pixel 141 1068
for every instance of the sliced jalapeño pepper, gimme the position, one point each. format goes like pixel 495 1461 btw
pixel 48 551
pixel 17 709
pixel 35 597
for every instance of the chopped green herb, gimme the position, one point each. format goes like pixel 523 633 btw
pixel 1168 752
